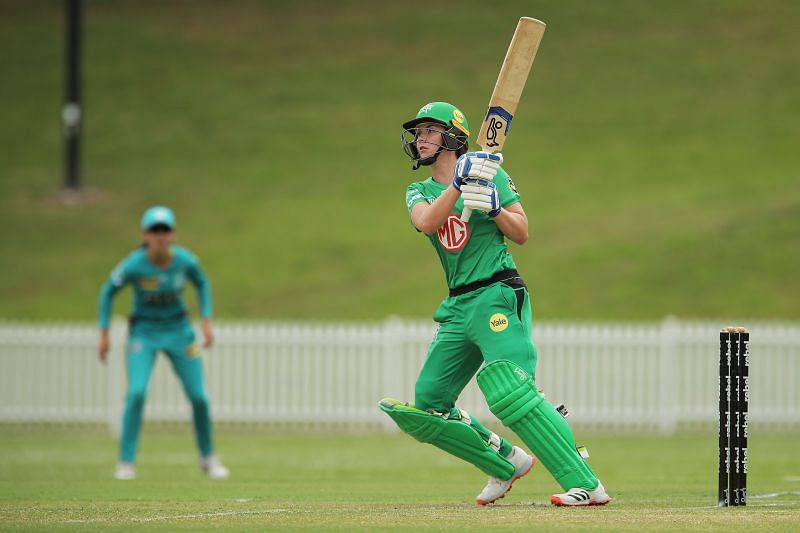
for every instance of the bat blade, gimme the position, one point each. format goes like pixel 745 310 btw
pixel 510 83
pixel 508 89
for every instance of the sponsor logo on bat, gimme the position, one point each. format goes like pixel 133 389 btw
pixel 491 134
pixel 499 121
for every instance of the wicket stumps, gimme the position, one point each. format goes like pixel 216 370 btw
pixel 734 395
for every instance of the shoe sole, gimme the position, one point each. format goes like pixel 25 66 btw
pixel 558 502
pixel 487 502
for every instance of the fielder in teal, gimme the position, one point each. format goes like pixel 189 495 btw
pixel 158 271
pixel 485 323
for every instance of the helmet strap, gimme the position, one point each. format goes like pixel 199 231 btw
pixel 428 160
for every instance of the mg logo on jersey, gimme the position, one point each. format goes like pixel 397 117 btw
pixel 453 234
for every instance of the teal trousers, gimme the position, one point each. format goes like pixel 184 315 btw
pixel 178 343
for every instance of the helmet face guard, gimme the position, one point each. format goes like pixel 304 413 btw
pixel 455 137
pixel 451 141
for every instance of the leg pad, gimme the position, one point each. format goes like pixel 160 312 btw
pixel 513 398
pixel 456 437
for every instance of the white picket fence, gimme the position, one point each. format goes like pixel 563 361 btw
pixel 610 376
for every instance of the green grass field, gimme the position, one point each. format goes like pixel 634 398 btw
pixel 651 136
pixel 655 149
pixel 61 481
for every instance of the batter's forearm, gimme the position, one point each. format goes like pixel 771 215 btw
pixel 428 218
pixel 513 225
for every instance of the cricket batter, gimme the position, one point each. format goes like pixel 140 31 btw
pixel 158 271
pixel 485 323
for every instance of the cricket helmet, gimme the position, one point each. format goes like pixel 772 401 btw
pixel 454 139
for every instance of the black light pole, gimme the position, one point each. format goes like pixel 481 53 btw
pixel 71 114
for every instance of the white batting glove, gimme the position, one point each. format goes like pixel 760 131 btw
pixel 477 165
pixel 481 195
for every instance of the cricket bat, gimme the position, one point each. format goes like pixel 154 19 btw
pixel 508 89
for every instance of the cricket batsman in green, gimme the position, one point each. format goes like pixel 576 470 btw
pixel 485 323
pixel 158 271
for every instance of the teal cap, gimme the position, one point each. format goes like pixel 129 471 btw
pixel 158 215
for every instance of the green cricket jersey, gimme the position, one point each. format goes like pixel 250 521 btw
pixel 473 251
pixel 157 293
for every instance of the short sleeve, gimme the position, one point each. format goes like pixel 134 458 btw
pixel 506 188
pixel 414 195
pixel 119 276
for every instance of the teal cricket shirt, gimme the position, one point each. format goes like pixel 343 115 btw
pixel 157 292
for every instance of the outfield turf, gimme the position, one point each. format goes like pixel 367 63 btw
pixel 61 480
pixel 650 135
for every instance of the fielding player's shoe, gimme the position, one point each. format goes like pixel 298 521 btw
pixel 497 488
pixel 125 470
pixel 213 467
pixel 578 497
